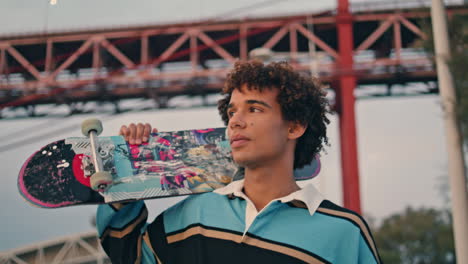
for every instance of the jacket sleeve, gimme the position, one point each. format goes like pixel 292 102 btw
pixel 366 253
pixel 367 249
pixel 123 233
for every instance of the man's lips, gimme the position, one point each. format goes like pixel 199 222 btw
pixel 238 140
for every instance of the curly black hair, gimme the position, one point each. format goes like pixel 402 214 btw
pixel 302 99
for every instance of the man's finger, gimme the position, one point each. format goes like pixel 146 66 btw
pixel 123 132
pixel 132 134
pixel 140 128
pixel 146 132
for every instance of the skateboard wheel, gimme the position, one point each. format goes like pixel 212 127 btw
pixel 101 181
pixel 91 124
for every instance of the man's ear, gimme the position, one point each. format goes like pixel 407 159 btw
pixel 296 130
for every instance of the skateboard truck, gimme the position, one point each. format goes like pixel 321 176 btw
pixel 100 180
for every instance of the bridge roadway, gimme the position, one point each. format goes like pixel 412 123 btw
pixel 164 61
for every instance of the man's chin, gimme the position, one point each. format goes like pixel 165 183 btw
pixel 241 161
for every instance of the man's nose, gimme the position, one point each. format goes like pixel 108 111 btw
pixel 237 121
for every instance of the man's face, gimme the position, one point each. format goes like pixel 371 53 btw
pixel 256 129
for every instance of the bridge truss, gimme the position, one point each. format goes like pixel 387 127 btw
pixel 77 249
pixel 163 61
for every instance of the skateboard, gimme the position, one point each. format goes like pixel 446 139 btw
pixel 94 170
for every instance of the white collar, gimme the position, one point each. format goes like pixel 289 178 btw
pixel 309 195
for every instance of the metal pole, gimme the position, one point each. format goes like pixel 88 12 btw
pixel 456 164
pixel 346 101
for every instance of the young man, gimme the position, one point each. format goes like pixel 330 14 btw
pixel 276 121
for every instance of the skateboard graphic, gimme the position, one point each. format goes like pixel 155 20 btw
pixel 93 170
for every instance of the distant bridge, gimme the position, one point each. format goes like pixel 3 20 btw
pixel 77 249
pixel 164 61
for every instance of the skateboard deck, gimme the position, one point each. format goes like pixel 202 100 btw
pixel 170 164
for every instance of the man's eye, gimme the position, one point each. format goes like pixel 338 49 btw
pixel 255 110
pixel 230 113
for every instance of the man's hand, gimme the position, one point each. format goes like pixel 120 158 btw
pixel 136 133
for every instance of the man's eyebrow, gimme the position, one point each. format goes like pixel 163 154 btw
pixel 258 102
pixel 252 101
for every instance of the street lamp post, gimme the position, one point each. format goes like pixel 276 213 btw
pixel 456 164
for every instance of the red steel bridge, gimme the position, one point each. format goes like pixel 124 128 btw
pixel 351 48
pixel 163 61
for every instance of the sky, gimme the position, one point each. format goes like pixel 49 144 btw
pixel 402 154
pixel 25 16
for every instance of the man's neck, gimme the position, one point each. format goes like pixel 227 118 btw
pixel 265 184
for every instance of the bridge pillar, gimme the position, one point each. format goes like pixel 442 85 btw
pixel 346 104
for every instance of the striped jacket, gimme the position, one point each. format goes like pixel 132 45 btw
pixel 215 228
